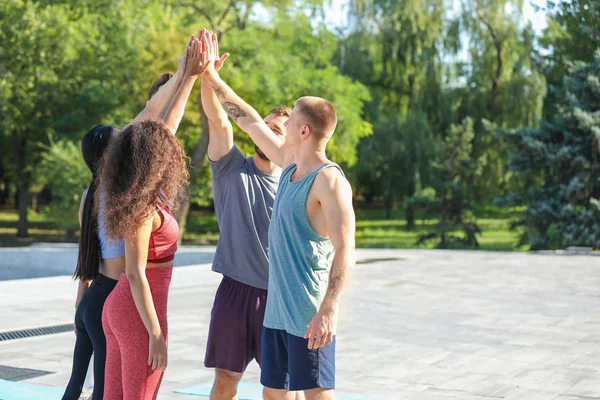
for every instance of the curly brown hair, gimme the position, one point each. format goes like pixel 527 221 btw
pixel 144 164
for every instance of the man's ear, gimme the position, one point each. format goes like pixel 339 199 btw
pixel 305 131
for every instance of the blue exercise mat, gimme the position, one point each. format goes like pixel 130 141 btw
pixel 27 391
pixel 253 391
pixel 246 390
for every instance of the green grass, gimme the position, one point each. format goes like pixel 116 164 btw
pixel 41 229
pixel 201 228
pixel 372 230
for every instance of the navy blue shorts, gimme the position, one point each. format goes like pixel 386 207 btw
pixel 287 363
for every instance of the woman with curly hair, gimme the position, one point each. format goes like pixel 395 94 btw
pixel 100 263
pixel 143 171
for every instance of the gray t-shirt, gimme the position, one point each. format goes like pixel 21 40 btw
pixel 243 203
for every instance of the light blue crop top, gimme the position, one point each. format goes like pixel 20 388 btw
pixel 108 248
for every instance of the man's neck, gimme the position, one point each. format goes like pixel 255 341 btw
pixel 308 161
pixel 266 166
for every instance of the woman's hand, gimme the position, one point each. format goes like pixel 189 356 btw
pixel 157 357
pixel 182 61
pixel 195 64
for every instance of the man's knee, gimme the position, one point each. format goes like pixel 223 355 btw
pixel 319 394
pixel 278 394
pixel 270 394
pixel 224 378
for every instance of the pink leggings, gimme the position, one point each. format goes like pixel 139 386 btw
pixel 128 375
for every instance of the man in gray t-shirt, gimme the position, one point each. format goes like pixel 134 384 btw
pixel 243 189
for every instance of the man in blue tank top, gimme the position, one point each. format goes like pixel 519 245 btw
pixel 244 191
pixel 311 244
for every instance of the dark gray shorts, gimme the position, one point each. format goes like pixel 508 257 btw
pixel 234 335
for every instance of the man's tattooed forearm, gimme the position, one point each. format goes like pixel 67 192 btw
pixel 219 92
pixel 233 110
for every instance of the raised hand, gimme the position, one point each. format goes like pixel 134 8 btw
pixel 181 61
pixel 213 46
pixel 194 64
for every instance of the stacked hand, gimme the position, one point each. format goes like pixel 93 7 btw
pixel 194 58
pixel 201 55
pixel 211 45
pixel 181 61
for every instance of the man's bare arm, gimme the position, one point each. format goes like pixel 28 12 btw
pixel 246 118
pixel 220 130
pixel 334 194
pixel 336 203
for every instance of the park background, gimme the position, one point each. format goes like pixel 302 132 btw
pixel 462 123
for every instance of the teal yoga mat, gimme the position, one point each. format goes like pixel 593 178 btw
pixel 27 391
pixel 253 391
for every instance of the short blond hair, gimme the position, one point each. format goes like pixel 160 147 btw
pixel 319 114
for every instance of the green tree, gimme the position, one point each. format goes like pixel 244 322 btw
pixel 503 85
pixel 450 198
pixel 67 176
pixel 394 47
pixel 572 34
pixel 432 65
pixel 63 68
pixel 565 154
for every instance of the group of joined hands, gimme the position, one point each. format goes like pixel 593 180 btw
pixel 201 55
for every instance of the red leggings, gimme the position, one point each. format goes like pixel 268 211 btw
pixel 128 375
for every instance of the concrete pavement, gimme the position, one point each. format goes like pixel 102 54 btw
pixel 415 324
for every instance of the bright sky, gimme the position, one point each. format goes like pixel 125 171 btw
pixel 335 14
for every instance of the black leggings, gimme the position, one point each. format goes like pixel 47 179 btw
pixel 90 339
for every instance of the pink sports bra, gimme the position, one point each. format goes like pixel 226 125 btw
pixel 163 241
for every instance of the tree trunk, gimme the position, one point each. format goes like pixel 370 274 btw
pixel 444 221
pixel 389 203
pixel 410 217
pixel 197 167
pixel 5 192
pixel 410 211
pixel 3 186
pixel 22 227
pixel 389 197
pixel 497 41
pixel 22 185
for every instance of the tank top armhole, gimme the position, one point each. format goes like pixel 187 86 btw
pixel 305 202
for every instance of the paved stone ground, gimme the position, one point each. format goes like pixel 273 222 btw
pixel 421 325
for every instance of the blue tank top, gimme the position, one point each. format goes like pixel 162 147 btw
pixel 108 248
pixel 299 258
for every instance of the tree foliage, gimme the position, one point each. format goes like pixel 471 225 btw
pixel 565 154
pixel 450 199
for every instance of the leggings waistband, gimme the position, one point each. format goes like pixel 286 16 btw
pixel 105 282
